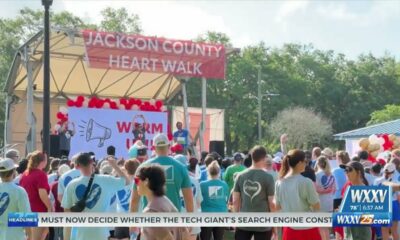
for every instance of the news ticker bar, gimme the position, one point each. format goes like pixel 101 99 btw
pixel 249 219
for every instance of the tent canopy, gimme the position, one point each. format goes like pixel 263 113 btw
pixel 391 127
pixel 70 75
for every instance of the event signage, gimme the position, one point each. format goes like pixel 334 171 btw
pixel 365 205
pixel 96 129
pixel 153 54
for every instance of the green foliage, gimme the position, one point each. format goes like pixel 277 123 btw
pixel 303 126
pixel 120 20
pixel 389 113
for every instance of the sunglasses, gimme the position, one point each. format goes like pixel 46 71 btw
pixel 137 180
pixel 348 169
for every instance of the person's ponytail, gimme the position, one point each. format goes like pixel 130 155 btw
pixel 285 166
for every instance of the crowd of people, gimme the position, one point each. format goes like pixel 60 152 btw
pixel 254 181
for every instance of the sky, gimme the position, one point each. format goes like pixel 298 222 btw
pixel 351 27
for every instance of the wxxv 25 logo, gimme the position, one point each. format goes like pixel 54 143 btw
pixel 365 205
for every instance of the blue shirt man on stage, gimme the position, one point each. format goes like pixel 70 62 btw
pixel 181 136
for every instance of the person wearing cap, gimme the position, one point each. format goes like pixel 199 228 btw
pixel 14 155
pixel 356 177
pixel 236 167
pixel 177 176
pixel 388 173
pixel 103 188
pixel 12 199
pixel 138 151
pixel 67 177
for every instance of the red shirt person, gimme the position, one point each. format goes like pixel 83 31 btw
pixel 34 181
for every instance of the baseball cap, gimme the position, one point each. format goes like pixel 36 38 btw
pixel 238 156
pixel 12 153
pixel 277 159
pixel 389 167
pixel 7 164
pixel 106 169
pixel 352 164
pixel 63 169
pixel 160 140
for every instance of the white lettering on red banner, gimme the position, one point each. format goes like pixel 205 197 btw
pixel 152 54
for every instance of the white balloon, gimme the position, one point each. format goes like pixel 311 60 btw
pixel 163 109
pixel 152 101
pixel 373 139
pixel 135 107
pixel 63 110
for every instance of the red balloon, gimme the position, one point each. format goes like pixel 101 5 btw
pixel 79 104
pixel 70 103
pixel 159 103
pixel 80 99
pixel 99 103
pixel 60 115
pixel 113 105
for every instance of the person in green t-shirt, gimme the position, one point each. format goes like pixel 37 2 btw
pixel 177 176
pixel 235 168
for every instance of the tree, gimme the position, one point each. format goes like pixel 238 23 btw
pixel 389 113
pixel 120 20
pixel 303 126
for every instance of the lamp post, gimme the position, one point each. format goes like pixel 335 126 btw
pixel 259 99
pixel 46 78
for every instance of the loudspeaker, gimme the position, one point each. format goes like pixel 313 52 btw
pixel 55 146
pixel 218 146
pixel 96 131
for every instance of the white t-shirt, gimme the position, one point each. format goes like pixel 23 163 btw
pixel 379 181
pixel 197 199
pixel 103 188
pixel 325 199
pixel 12 199
pixel 370 179
pixel 65 179
pixel 52 178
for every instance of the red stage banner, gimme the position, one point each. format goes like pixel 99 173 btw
pixel 152 54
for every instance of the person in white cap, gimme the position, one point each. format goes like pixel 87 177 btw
pixel 388 173
pixel 12 199
pixel 177 177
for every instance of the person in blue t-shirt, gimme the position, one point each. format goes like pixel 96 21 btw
pixel 181 135
pixel 102 190
pixel 215 199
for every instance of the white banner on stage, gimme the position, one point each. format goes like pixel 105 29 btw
pixel 96 129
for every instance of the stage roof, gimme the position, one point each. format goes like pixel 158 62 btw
pixel 70 75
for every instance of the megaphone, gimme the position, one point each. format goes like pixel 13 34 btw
pixel 95 131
